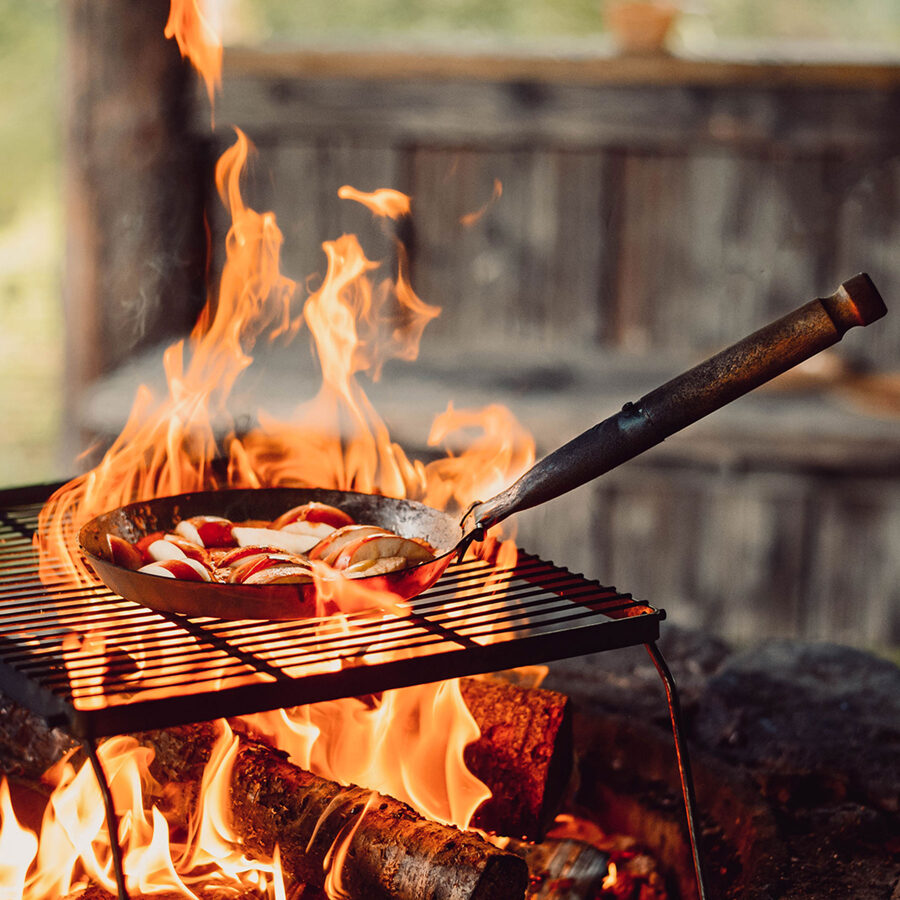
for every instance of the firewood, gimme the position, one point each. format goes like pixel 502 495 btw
pixel 393 851
pixel 524 755
pixel 95 892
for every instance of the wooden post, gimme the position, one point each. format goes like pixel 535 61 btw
pixel 135 184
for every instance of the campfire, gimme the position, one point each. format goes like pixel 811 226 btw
pixel 429 790
pixel 347 752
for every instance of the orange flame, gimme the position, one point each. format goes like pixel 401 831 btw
pixel 197 40
pixel 408 743
pixel 609 880
pixel 74 844
pixel 384 202
pixel 18 848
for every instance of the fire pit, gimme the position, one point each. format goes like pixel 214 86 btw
pixel 792 744
pixel 505 615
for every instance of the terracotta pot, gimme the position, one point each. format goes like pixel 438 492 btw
pixel 640 26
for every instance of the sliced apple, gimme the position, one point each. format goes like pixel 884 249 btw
pixel 146 541
pixel 328 549
pixel 242 571
pixel 314 513
pixel 188 548
pixel 123 553
pixel 281 540
pixel 317 530
pixel 162 549
pixel 227 558
pixel 183 569
pixel 284 574
pixel 207 531
pixel 238 573
pixel 376 546
pixel 382 566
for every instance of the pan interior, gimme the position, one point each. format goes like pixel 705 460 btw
pixel 407 518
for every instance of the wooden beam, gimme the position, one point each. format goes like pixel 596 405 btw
pixel 135 183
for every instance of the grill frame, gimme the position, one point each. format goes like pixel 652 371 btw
pixel 570 616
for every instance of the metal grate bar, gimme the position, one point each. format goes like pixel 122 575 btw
pixel 85 658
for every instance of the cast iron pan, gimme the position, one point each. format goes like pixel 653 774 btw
pixel 273 601
pixel 637 427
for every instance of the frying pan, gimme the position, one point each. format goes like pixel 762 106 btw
pixel 638 426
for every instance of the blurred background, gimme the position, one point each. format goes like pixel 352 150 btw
pixel 673 176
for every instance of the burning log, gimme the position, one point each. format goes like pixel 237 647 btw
pixel 524 755
pixel 94 892
pixel 388 850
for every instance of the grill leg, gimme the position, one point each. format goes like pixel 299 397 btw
pixel 112 821
pixel 684 763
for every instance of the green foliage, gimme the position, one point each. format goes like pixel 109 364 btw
pixel 29 103
pixel 873 21
pixel 305 18
pixel 30 240
pixel 858 21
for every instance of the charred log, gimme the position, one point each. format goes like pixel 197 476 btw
pixel 524 755
pixel 95 892
pixel 392 851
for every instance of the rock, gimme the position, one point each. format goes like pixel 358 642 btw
pixel 814 723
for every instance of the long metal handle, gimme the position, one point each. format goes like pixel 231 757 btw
pixel 685 399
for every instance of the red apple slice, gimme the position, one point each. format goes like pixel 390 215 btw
pixel 238 573
pixel 284 574
pixel 381 566
pixel 188 548
pixel 316 530
pixel 183 569
pixel 256 563
pixel 328 548
pixel 229 558
pixel 376 546
pixel 146 541
pixel 281 540
pixel 314 512
pixel 162 549
pixel 123 553
pixel 207 531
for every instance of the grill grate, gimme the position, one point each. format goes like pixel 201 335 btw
pixel 96 664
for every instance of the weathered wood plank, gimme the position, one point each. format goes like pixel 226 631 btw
pixel 868 236
pixel 714 245
pixel 595 62
pixel 530 268
pixel 853 585
pixel 533 111
pixel 722 553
